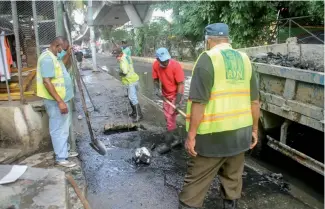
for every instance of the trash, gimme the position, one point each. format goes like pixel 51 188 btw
pixel 79 117
pixel 98 93
pixel 142 155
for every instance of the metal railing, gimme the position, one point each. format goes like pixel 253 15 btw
pixel 297 27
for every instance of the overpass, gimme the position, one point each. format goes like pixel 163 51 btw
pixel 117 13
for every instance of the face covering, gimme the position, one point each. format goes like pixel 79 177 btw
pixel 61 54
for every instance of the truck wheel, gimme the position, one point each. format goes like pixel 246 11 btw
pixel 258 149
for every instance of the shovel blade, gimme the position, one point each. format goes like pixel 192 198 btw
pixel 99 147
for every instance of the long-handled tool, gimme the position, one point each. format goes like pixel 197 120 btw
pixel 78 192
pixel 97 145
pixel 173 106
pixel 91 100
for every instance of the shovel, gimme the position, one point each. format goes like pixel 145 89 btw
pixel 97 145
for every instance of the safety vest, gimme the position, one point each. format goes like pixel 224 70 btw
pixel 126 65
pixel 57 81
pixel 229 107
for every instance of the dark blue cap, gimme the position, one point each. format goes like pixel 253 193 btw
pixel 217 29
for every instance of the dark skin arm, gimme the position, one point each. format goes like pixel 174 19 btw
pixel 197 113
pixel 67 59
pixel 51 89
pixel 255 108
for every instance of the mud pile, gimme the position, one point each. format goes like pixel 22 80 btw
pixel 286 61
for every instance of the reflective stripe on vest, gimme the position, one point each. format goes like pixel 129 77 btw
pixel 229 107
pixel 57 81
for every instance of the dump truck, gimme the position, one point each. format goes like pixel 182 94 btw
pixel 291 82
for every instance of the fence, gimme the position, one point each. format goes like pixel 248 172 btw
pixel 26 28
pixel 304 28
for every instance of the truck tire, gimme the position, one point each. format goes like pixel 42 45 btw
pixel 257 151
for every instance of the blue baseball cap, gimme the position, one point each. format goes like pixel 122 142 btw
pixel 217 29
pixel 162 54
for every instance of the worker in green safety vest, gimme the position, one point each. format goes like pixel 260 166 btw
pixel 222 120
pixel 54 86
pixel 130 79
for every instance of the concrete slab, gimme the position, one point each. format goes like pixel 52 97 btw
pixel 9 155
pixel 36 188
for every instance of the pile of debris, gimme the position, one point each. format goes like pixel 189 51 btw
pixel 286 61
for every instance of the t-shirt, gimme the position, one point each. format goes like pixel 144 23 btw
pixel 47 71
pixel 169 77
pixel 221 144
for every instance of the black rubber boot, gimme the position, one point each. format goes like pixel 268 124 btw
pixel 138 113
pixel 165 147
pixel 176 140
pixel 133 113
pixel 229 204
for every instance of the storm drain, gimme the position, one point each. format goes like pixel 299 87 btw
pixel 114 128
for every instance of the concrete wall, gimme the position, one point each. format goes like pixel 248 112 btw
pixel 23 128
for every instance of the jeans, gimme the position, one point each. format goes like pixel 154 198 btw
pixel 59 125
pixel 132 93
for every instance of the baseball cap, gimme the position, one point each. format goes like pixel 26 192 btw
pixel 217 29
pixel 162 54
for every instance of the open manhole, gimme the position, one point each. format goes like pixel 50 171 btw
pixel 114 128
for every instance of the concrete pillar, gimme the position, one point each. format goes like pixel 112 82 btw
pixel 92 35
pixel 59 18
pixel 133 15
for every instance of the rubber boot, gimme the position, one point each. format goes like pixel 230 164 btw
pixel 138 113
pixel 165 147
pixel 229 204
pixel 133 113
pixel 176 139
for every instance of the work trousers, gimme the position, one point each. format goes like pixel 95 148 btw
pixel 132 93
pixel 59 125
pixel 170 113
pixel 202 170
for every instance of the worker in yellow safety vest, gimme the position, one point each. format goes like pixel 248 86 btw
pixel 222 120
pixel 130 79
pixel 54 86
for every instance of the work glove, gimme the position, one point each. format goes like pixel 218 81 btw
pixel 121 74
pixel 158 93
pixel 178 102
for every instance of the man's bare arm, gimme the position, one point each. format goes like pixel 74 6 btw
pixel 51 89
pixel 180 88
pixel 197 113
pixel 255 107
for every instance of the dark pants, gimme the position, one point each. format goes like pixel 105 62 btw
pixel 202 170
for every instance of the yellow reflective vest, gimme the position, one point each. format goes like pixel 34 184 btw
pixel 57 81
pixel 126 66
pixel 229 107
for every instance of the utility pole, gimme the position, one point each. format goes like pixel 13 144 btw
pixel 92 34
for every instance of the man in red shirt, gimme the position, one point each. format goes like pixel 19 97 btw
pixel 170 75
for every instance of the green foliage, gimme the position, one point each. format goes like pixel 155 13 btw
pixel 250 22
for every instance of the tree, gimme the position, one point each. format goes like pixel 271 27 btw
pixel 249 21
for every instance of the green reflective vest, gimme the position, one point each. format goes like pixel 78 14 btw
pixel 229 107
pixel 126 66
pixel 57 81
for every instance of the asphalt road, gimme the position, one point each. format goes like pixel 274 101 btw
pixel 114 181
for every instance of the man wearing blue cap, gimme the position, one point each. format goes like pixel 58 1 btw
pixel 222 120
pixel 170 74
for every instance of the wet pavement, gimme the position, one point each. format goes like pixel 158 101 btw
pixel 114 181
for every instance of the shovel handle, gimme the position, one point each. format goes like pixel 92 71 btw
pixel 173 106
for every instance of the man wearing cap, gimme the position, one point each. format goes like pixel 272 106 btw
pixel 169 73
pixel 222 120
pixel 130 79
